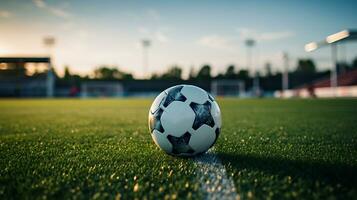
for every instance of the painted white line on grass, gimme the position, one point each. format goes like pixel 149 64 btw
pixel 213 177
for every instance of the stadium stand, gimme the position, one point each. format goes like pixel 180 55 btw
pixel 347 87
pixel 15 83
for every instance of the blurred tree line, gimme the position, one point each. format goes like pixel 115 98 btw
pixel 305 72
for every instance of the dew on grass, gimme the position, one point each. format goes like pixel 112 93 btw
pixel 136 187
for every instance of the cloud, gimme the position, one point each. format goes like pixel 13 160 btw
pixel 144 30
pixel 39 3
pixel 67 25
pixel 5 14
pixel 161 37
pixel 84 34
pixel 264 36
pixel 276 35
pixel 57 11
pixel 153 14
pixel 214 41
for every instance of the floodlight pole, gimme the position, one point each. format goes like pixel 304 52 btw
pixel 250 43
pixel 333 78
pixel 285 79
pixel 49 42
pixel 146 43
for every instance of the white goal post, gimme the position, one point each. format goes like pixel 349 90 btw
pixel 227 87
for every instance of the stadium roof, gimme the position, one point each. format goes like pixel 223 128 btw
pixel 25 59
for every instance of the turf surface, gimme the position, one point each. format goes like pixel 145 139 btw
pixel 101 148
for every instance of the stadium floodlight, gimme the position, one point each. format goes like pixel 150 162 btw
pixel 337 36
pixel 285 78
pixel 311 46
pixel 49 41
pixel 345 35
pixel 332 40
pixel 146 42
pixel 249 43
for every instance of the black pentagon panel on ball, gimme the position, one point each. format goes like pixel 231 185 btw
pixel 217 131
pixel 155 121
pixel 203 115
pixel 180 144
pixel 210 97
pixel 174 94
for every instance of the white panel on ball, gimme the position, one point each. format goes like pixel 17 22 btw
pixel 195 94
pixel 202 138
pixel 156 104
pixel 216 114
pixel 177 118
pixel 168 89
pixel 161 141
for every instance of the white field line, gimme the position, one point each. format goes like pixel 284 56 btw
pixel 213 178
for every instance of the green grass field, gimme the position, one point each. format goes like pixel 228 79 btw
pixel 288 149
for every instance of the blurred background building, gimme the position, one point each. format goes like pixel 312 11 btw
pixel 16 80
pixel 230 48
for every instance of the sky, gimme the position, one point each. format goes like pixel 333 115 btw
pixel 189 34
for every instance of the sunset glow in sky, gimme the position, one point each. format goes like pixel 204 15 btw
pixel 189 34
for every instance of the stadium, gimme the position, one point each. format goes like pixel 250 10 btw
pixel 178 100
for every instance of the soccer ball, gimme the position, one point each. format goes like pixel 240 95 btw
pixel 184 120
